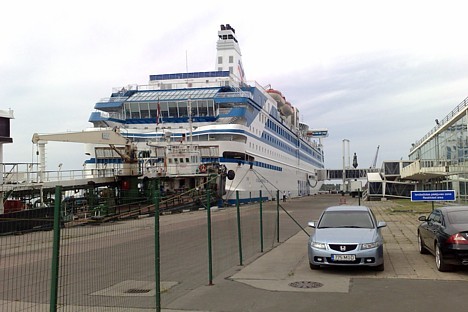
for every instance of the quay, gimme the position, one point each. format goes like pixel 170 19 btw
pixel 280 278
pixel 267 284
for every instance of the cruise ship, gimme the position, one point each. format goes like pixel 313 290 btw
pixel 252 131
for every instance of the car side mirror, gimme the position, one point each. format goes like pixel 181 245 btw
pixel 381 224
pixel 422 218
pixel 311 224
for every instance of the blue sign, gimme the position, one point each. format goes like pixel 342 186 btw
pixel 444 195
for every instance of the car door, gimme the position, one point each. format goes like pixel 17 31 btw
pixel 433 229
pixel 441 233
pixel 426 230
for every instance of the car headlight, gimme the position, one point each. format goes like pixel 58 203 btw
pixel 370 245
pixel 317 245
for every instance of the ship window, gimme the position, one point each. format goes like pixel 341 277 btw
pixel 182 109
pixel 144 110
pixel 153 109
pixel 237 155
pixel 163 109
pixel 211 110
pixel 231 59
pixel 172 109
pixel 220 60
pixel 202 108
pixel 203 137
pixel 127 113
pixel 134 111
pixel 231 69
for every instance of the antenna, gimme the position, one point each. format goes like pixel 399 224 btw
pixel 186 61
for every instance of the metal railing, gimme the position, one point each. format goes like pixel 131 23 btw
pixel 435 166
pixel 21 173
pixel 462 106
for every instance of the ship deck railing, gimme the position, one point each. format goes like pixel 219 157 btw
pixel 30 174
pixel 26 173
pixel 113 99
pixel 243 94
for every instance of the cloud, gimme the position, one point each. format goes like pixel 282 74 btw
pixel 373 73
pixel 389 100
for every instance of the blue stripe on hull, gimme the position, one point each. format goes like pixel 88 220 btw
pixel 245 200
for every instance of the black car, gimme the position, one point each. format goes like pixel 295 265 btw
pixel 444 233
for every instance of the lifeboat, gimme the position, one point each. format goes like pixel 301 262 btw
pixel 287 109
pixel 278 97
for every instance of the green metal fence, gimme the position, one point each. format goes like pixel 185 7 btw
pixel 126 259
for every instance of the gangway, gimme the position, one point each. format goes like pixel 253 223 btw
pixel 337 174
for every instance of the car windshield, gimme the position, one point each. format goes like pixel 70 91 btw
pixel 346 219
pixel 458 217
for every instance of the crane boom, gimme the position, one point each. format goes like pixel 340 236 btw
pixel 94 137
pixel 102 136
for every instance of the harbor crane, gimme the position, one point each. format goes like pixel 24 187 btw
pixel 111 137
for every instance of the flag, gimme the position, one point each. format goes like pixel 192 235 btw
pixel 158 113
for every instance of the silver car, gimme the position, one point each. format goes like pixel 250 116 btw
pixel 346 236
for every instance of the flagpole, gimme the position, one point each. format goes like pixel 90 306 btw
pixel 158 112
pixel 158 116
pixel 190 118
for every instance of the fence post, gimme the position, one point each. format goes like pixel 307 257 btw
pixel 277 216
pixel 239 232
pixel 157 258
pixel 261 222
pixel 55 250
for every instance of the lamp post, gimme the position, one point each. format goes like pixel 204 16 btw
pixel 345 146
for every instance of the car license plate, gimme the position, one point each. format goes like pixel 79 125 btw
pixel 343 257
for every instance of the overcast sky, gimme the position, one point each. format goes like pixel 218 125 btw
pixel 377 73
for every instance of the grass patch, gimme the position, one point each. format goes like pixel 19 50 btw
pixel 407 206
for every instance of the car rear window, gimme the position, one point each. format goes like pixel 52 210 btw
pixel 458 217
pixel 351 219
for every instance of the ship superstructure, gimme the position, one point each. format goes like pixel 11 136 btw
pixel 247 129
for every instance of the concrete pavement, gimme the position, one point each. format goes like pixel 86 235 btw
pixel 285 269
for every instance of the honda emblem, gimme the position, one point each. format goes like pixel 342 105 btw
pixel 342 248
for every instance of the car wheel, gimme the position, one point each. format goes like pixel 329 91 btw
pixel 314 266
pixel 422 249
pixel 440 262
